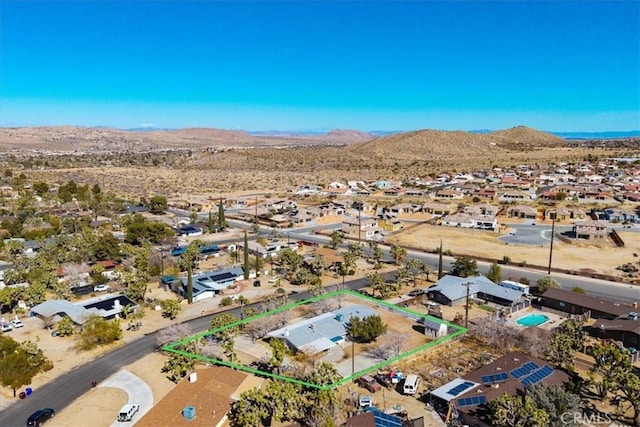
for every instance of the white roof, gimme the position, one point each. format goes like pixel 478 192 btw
pixel 443 392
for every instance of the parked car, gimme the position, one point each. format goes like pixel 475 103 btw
pixel 5 327
pixel 366 381
pixel 101 288
pixel 17 323
pixel 256 283
pixel 40 417
pixel 416 292
pixel 383 380
pixel 127 412
pixel 365 401
pixel 274 279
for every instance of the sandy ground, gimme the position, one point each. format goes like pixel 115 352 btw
pixel 485 244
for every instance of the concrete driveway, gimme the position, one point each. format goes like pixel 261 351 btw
pixel 138 390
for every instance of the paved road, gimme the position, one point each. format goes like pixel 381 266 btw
pixel 62 391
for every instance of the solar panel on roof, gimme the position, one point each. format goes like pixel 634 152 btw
pixel 221 277
pixel 495 378
pixel 385 420
pixel 536 376
pixel 524 370
pixel 460 388
pixel 472 401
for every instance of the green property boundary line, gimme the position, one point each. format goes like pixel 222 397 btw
pixel 458 330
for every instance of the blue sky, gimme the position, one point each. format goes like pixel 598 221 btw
pixel 303 65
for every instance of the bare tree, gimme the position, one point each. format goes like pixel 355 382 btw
pixel 76 272
pixel 212 349
pixel 391 344
pixel 172 333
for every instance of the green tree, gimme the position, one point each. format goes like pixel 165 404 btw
pixel 65 327
pixel 187 260
pixel 170 308
pixel 556 402
pixel 279 351
pixel 157 205
pixel 98 331
pixel 222 222
pixel 376 252
pixel 177 367
pixel 629 387
pixel 398 254
pixel 568 338
pixel 516 411
pixel 245 250
pixel 291 261
pixel 211 223
pixel 465 267
pixel 415 268
pixel 379 285
pixel 495 273
pixel 336 239
pixel 41 188
pixel 227 334
pixel 611 364
pixel 545 283
pixel 355 249
pixel 19 363
pixel 366 329
pixel 135 285
pixel 578 290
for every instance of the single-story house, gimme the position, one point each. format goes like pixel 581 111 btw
pixel 511 374
pixel 210 392
pixel 105 306
pixel 322 332
pixel 209 283
pixel 625 330
pixel 190 231
pixel 578 304
pixel 452 290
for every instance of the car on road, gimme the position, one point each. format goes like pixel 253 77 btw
pixel 5 327
pixel 367 381
pixel 17 323
pixel 101 288
pixel 40 417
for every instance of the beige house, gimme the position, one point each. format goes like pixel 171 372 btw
pixel 364 228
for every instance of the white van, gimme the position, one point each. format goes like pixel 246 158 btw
pixel 411 384
pixel 128 411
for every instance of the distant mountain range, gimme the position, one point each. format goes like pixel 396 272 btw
pixel 379 133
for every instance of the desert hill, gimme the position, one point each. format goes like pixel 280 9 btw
pixel 424 143
pixel 103 139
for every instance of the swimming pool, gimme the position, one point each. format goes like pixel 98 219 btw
pixel 532 320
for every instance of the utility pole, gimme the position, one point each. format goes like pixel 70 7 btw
pixel 553 232
pixel 466 307
pixel 359 225
pixel 353 355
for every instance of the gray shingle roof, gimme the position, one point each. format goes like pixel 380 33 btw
pixel 323 331
pixel 454 288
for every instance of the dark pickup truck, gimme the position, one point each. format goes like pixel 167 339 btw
pixel 369 383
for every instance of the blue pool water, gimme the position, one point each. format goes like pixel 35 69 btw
pixel 532 320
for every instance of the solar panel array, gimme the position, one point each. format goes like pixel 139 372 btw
pixel 385 420
pixel 472 401
pixel 460 388
pixel 496 378
pixel 524 370
pixel 536 376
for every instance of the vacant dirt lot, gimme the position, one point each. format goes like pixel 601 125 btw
pixel 485 244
